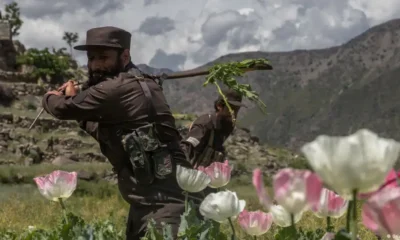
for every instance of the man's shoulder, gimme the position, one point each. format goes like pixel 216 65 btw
pixel 203 119
pixel 133 73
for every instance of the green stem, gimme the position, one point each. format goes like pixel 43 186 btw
pixel 186 200
pixel 211 76
pixel 255 237
pixel 225 100
pixel 292 220
pixel 64 209
pixel 233 229
pixel 293 225
pixel 354 222
pixel 328 224
pixel 348 215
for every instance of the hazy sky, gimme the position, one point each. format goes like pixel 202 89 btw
pixel 181 34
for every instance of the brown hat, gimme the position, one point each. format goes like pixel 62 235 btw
pixel 233 98
pixel 106 37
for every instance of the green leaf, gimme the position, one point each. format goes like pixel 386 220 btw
pixel 342 235
pixel 227 72
pixel 152 232
pixel 288 233
pixel 167 232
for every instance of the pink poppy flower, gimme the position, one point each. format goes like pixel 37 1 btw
pixel 381 212
pixel 255 223
pixel 56 185
pixel 258 183
pixel 220 173
pixel 330 205
pixel 297 190
pixel 390 181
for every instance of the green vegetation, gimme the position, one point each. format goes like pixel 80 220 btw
pixel 227 73
pixel 23 206
pixel 54 64
pixel 20 174
pixel 70 38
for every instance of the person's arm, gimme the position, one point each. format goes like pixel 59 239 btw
pixel 195 141
pixel 93 104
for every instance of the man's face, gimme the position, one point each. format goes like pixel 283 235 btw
pixel 103 63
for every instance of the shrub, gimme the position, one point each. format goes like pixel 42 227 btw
pixel 53 64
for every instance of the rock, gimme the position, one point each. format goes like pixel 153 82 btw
pixel 88 157
pixel 29 161
pixel 7 96
pixel 111 177
pixel 31 151
pixel 62 160
pixel 86 175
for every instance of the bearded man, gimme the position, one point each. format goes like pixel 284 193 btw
pixel 127 113
pixel 204 143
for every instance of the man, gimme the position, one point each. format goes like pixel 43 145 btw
pixel 207 134
pixel 117 100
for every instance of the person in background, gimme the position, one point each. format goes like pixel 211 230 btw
pixel 203 144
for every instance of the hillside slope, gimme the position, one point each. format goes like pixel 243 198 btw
pixel 310 92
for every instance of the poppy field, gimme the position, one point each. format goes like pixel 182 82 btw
pixel 352 193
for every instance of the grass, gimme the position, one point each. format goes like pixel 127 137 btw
pixel 22 205
pixel 21 174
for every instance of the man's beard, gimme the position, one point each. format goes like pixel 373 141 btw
pixel 98 76
pixel 225 120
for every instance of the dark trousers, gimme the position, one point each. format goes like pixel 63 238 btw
pixel 169 213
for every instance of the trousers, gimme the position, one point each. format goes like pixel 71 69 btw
pixel 139 215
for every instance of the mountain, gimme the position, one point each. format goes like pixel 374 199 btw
pixel 154 71
pixel 311 92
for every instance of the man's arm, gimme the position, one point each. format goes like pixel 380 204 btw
pixel 196 139
pixel 93 104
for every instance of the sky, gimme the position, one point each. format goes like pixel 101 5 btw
pixel 183 34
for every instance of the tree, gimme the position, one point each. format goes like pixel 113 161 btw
pixel 70 38
pixel 13 16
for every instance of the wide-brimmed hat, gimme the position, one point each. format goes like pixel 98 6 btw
pixel 112 37
pixel 233 98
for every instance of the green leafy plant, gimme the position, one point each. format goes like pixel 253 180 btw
pixel 46 63
pixel 190 228
pixel 227 73
pixel 70 228
pixel 290 233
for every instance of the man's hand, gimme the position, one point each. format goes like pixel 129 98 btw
pixel 69 88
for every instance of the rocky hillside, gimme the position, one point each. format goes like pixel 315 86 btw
pixel 332 91
pixel 62 143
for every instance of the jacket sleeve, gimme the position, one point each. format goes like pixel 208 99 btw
pixel 93 104
pixel 195 141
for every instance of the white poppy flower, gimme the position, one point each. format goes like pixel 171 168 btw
pixel 222 205
pixel 191 180
pixel 281 217
pixel 359 161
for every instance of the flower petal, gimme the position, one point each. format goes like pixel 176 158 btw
pixel 358 161
pixel 56 185
pixel 191 180
pixel 259 186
